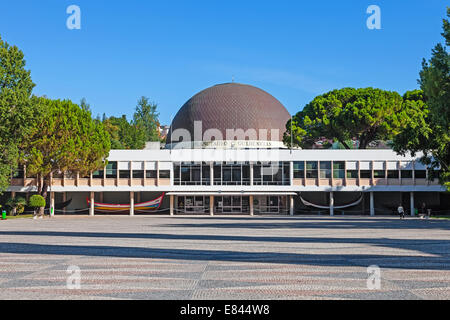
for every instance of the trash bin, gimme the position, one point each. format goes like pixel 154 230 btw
pixel 3 215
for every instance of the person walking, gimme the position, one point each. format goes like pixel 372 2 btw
pixel 423 210
pixel 401 211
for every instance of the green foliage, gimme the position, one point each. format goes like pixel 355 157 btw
pixel 15 110
pixel 341 115
pixel 123 134
pixel 36 201
pixel 16 205
pixel 134 134
pixel 428 129
pixel 146 119
pixel 64 138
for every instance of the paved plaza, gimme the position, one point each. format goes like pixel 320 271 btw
pixel 241 257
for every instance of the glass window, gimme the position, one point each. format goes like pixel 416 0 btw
pixel 18 174
pixel 164 174
pixel 392 174
pixel 352 174
pixel 366 174
pixel 299 172
pixel 206 174
pixel 124 174
pixel 151 174
pixel 406 174
pixel 98 174
pixel 138 174
pixel 379 174
pixel 311 169
pixel 420 174
pixel 111 170
pixel 339 170
pixel 325 169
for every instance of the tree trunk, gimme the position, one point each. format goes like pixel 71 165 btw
pixel 345 144
pixel 43 192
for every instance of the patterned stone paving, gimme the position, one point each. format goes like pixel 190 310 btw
pixel 224 258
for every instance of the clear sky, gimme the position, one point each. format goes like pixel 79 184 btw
pixel 169 50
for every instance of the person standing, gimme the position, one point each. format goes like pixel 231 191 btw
pixel 401 211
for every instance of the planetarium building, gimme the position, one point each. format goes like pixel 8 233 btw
pixel 225 155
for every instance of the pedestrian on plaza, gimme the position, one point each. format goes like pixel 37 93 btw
pixel 401 211
pixel 423 210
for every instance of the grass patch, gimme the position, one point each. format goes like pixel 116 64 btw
pixel 24 216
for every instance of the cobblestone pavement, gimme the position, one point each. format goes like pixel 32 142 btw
pixel 224 258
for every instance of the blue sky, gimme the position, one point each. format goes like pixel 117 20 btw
pixel 170 50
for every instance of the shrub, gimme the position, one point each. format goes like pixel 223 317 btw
pixel 16 205
pixel 36 201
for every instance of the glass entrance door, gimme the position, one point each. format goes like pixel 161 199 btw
pixel 192 204
pixel 270 204
pixel 231 205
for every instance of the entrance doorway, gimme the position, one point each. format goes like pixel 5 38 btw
pixel 232 205
pixel 192 204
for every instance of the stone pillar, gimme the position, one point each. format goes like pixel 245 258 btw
pixel 91 208
pixel 331 203
pixel 372 205
pixel 211 205
pixel 291 205
pixel 251 174
pixel 411 198
pixel 252 210
pixel 131 203
pixel 171 204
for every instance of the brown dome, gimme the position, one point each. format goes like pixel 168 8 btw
pixel 233 106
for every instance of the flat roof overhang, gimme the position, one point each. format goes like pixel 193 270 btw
pixel 231 193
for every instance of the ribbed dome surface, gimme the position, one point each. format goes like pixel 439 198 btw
pixel 233 106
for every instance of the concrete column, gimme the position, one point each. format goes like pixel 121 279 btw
pixel 130 181
pixel 171 204
pixel 145 174
pixel 251 174
pixel 211 205
pixel 104 176
pixel 411 198
pixel 331 203
pixel 211 173
pixel 52 204
pixel 91 208
pixel 157 173
pixel 131 203
pixel 372 205
pixel 291 173
pixel 252 210
pixel 291 205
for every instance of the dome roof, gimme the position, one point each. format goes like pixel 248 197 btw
pixel 232 106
